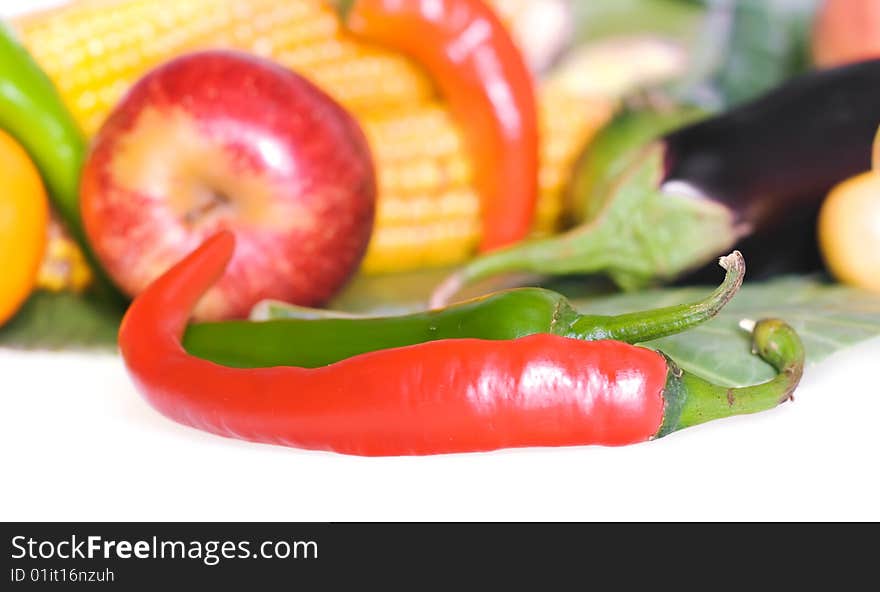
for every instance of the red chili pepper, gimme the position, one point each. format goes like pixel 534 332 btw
pixel 453 395
pixel 484 77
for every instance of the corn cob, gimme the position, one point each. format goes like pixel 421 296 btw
pixel 428 212
pixel 95 49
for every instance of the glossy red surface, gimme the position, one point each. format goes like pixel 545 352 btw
pixel 484 77
pixel 221 140
pixel 457 395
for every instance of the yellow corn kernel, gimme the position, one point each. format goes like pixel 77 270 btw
pixel 95 49
pixel 64 267
pixel 568 122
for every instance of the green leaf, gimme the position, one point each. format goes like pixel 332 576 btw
pixel 828 317
pixel 767 42
pixel 62 321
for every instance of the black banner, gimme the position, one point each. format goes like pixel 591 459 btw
pixel 127 556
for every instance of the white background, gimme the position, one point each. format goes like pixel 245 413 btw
pixel 78 443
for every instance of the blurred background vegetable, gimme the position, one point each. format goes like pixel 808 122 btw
pixel 428 212
pixel 24 215
pixel 64 267
pixel 849 228
pixel 676 19
pixel 32 112
pixel 756 172
pixel 616 146
pixel 485 81
pixel 617 66
pixel 543 28
pixel 299 191
pixel 846 31
pixel 849 231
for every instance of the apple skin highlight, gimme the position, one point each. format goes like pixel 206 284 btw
pixel 222 140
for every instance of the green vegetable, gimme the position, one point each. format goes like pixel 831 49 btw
pixel 616 146
pixel 758 171
pixel 828 318
pixel 296 336
pixel 34 114
pixel 32 111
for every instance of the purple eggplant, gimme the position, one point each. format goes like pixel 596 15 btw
pixel 747 178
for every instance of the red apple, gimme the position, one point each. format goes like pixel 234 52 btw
pixel 223 140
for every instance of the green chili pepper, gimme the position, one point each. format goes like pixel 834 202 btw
pixel 32 111
pixel 305 337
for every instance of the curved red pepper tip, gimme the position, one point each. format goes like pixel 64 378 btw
pixel 222 241
pixel 204 266
pixel 211 257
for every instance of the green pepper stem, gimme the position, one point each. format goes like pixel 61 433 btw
pixel 580 250
pixel 691 400
pixel 642 326
pixel 646 232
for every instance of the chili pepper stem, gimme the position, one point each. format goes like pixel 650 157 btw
pixel 642 326
pixel 691 400
pixel 646 232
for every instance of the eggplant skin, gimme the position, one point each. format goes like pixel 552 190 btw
pixel 781 153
